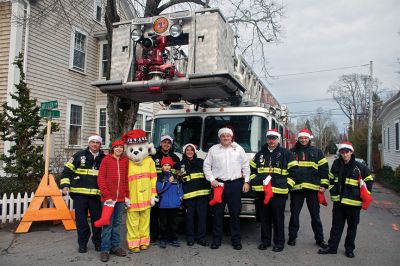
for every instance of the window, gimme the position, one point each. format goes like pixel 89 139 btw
pixel 397 135
pixel 78 50
pixel 139 122
pixel 98 10
pixel 103 66
pixel 147 127
pixel 75 120
pixel 103 124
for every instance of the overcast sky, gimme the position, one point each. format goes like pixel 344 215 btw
pixel 326 34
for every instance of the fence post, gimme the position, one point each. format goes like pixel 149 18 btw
pixel 4 209
pixel 18 210
pixel 11 208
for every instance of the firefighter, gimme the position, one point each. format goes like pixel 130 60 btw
pixel 164 150
pixel 345 194
pixel 79 178
pixel 226 167
pixel 273 167
pixel 313 176
pixel 196 191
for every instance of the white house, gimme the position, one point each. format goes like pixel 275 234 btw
pixel 64 50
pixel 390 116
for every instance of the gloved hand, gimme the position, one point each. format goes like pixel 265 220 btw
pixel 127 202
pixel 65 191
pixel 153 201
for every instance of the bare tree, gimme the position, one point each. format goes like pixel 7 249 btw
pixel 351 93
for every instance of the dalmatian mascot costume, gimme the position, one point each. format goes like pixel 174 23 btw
pixel 142 177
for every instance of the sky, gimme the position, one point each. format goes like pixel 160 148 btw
pixel 325 34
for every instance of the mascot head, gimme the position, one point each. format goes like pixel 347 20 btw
pixel 136 146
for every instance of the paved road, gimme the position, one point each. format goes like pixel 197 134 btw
pixel 377 243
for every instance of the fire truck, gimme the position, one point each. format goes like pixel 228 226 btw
pixel 186 60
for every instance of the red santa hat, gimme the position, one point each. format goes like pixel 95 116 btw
pixel 305 133
pixel 167 160
pixel 346 145
pixel 273 132
pixel 117 142
pixel 168 137
pixel 191 145
pixel 135 136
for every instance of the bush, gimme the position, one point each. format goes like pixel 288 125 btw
pixel 10 185
pixel 389 178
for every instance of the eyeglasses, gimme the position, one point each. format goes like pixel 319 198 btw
pixel 272 137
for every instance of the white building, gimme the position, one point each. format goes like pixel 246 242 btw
pixel 390 117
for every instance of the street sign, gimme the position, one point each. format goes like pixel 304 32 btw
pixel 49 113
pixel 49 105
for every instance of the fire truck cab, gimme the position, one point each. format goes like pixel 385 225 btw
pixel 200 127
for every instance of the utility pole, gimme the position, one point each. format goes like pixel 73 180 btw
pixel 371 111
pixel 353 118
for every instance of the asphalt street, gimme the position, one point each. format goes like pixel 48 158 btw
pixel 377 243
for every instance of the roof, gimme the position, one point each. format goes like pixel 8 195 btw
pixel 390 104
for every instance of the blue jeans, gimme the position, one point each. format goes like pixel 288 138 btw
pixel 110 236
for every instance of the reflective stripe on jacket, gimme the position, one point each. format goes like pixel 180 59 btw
pixel 193 181
pixel 279 163
pixel 344 186
pixel 80 173
pixel 313 170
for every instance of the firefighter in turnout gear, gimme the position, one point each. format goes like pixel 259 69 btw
pixel 165 150
pixel 79 178
pixel 196 191
pixel 276 164
pixel 345 177
pixel 313 176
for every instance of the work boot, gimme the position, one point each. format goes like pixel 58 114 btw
pixel 118 252
pixel 104 256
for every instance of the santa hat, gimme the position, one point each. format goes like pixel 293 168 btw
pixel 346 145
pixel 225 130
pixel 305 133
pixel 95 137
pixel 168 137
pixel 117 142
pixel 167 160
pixel 273 132
pixel 135 136
pixel 187 145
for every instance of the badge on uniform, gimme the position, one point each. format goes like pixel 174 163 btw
pixel 278 155
pixel 183 171
pixel 261 159
pixel 83 160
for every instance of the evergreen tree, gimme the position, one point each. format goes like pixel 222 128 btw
pixel 21 126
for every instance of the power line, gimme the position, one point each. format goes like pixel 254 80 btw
pixel 314 71
pixel 315 100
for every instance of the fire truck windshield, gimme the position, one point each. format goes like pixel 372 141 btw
pixel 249 130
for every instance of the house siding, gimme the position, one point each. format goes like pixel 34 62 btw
pixel 391 156
pixel 5 26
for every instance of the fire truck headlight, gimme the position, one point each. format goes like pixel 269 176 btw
pixel 136 35
pixel 175 30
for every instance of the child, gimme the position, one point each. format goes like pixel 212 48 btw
pixel 170 195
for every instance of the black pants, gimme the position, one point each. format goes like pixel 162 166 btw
pixel 154 222
pixel 231 196
pixel 272 215
pixel 83 204
pixel 296 204
pixel 168 224
pixel 196 212
pixel 340 214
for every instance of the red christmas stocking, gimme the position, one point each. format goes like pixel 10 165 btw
pixel 106 213
pixel 364 194
pixel 267 185
pixel 217 195
pixel 322 199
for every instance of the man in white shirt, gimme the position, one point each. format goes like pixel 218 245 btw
pixel 227 163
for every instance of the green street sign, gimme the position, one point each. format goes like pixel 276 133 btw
pixel 49 105
pixel 49 113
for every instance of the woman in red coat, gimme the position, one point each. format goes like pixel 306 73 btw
pixel 113 185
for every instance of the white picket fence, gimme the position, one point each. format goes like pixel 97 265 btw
pixel 13 208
